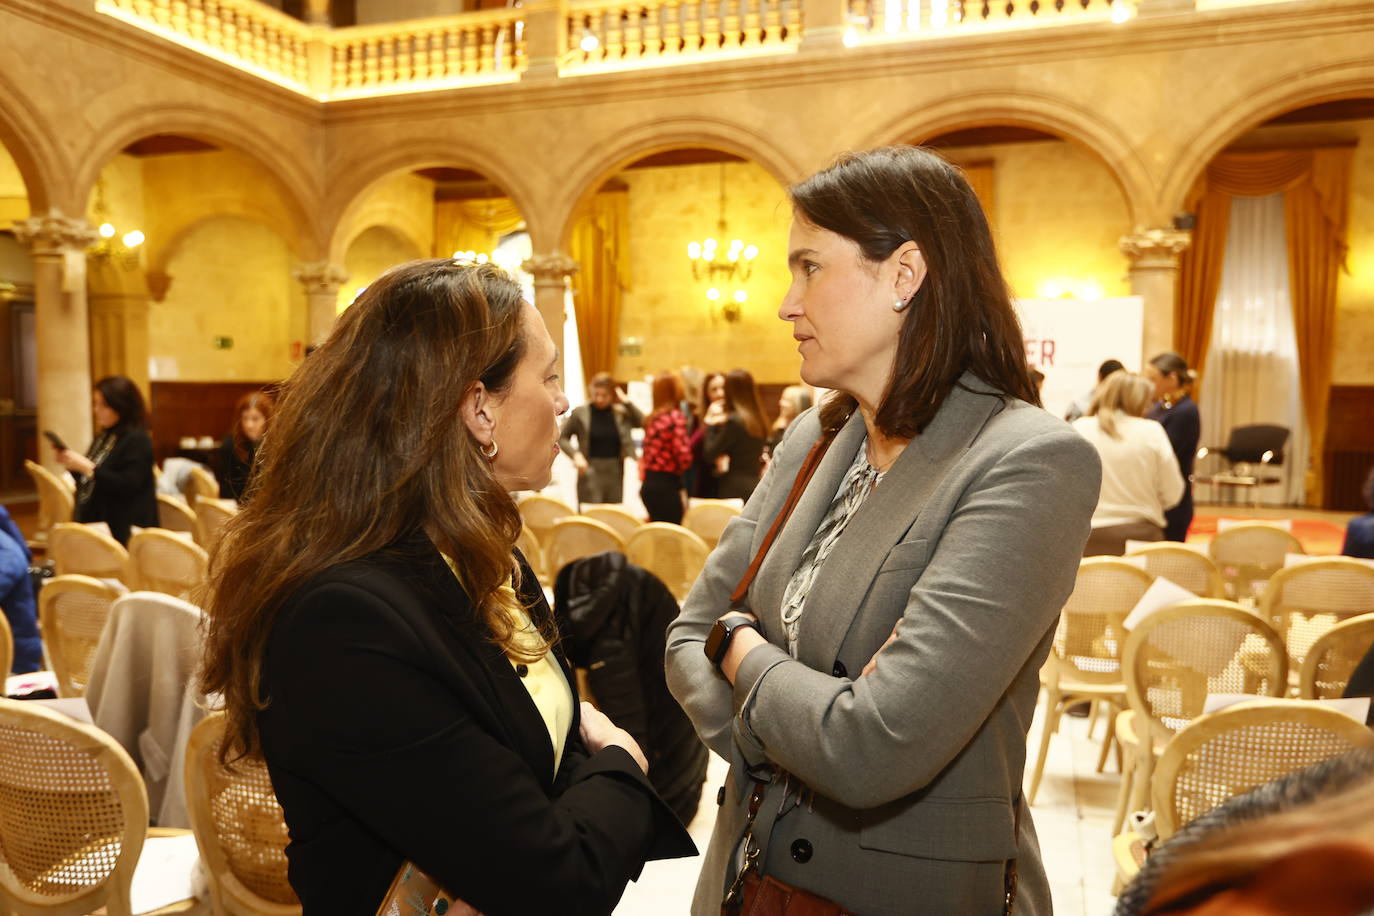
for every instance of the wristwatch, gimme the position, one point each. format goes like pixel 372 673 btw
pixel 718 642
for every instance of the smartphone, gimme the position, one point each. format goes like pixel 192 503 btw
pixel 55 439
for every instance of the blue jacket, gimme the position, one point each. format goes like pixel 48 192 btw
pixel 1359 537
pixel 16 596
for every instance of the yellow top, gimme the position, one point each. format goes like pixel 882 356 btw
pixel 543 680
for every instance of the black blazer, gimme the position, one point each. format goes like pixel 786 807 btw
pixel 234 473
pixel 396 730
pixel 125 493
pixel 746 454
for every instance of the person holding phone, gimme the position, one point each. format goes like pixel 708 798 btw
pixel 114 479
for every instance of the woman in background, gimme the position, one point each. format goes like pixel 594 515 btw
pixel 705 483
pixel 1140 476
pixel 240 447
pixel 736 428
pixel 603 429
pixel 794 400
pixel 1359 532
pixel 114 479
pixel 1178 414
pixel 667 453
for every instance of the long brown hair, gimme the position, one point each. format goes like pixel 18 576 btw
pixel 260 401
pixel 742 399
pixel 368 446
pixel 667 392
pixel 962 319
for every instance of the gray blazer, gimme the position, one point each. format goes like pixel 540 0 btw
pixel 972 541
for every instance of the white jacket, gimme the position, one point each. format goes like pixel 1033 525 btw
pixel 1140 475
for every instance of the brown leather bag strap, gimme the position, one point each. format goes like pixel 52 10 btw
pixel 808 468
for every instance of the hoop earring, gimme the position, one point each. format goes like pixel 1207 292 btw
pixel 899 303
pixel 489 455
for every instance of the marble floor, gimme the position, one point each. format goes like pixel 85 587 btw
pixel 1073 814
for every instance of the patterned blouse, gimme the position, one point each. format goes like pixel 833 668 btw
pixel 666 446
pixel 858 482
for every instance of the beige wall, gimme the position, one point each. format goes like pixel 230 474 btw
pixel 396 10
pixel 14 199
pixel 1057 217
pixel 233 279
pixel 372 254
pixel 1354 358
pixel 668 309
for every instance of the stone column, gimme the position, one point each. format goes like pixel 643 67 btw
pixel 824 24
pixel 551 274
pixel 317 12
pixel 1153 254
pixel 546 38
pixel 322 281
pixel 63 332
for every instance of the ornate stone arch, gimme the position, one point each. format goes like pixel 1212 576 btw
pixel 33 150
pixel 659 136
pixel 1057 115
pixel 1233 117
pixel 163 255
pixel 362 174
pixel 290 175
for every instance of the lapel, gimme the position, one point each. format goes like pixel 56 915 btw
pixel 765 595
pixel 885 516
pixel 512 706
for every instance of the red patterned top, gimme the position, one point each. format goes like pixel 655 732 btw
pixel 666 447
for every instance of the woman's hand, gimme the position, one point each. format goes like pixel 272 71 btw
pixel 600 732
pixel 715 414
pixel 873 662
pixel 75 462
pixel 741 642
pixel 580 462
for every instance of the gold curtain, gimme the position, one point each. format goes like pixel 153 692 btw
pixel 1315 183
pixel 600 246
pixel 473 225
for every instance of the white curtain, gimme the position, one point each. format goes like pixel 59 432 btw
pixel 1252 367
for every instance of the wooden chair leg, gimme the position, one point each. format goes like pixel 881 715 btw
pixel 1054 708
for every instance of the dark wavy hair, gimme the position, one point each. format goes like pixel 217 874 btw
pixel 367 446
pixel 962 319
pixel 123 397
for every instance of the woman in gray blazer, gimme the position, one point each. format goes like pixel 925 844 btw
pixel 876 697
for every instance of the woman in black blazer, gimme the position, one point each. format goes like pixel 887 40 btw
pixel 736 432
pixel 114 479
pixel 382 645
pixel 251 416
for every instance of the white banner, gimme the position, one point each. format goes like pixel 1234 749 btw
pixel 1067 339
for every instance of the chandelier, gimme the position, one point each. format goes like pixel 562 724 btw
pixel 723 269
pixel 122 250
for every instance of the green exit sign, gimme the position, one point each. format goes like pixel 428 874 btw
pixel 224 343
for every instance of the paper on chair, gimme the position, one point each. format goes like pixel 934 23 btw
pixel 1356 708
pixel 99 528
pixel 1161 594
pixel 165 873
pixel 1137 562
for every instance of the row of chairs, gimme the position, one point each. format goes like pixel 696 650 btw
pixel 1223 754
pixel 1238 562
pixel 74 828
pixel 1156 678
pixel 706 518
pixel 156 560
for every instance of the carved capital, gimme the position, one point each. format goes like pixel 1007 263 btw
pixel 55 234
pixel 320 277
pixel 1155 248
pixel 552 268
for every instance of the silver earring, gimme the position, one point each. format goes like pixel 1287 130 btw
pixel 489 454
pixel 898 304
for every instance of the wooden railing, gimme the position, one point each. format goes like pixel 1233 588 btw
pixel 602 34
pixel 877 19
pixel 462 48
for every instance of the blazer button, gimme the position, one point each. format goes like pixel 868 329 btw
pixel 522 670
pixel 801 851
pixel 839 670
pixel 720 796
